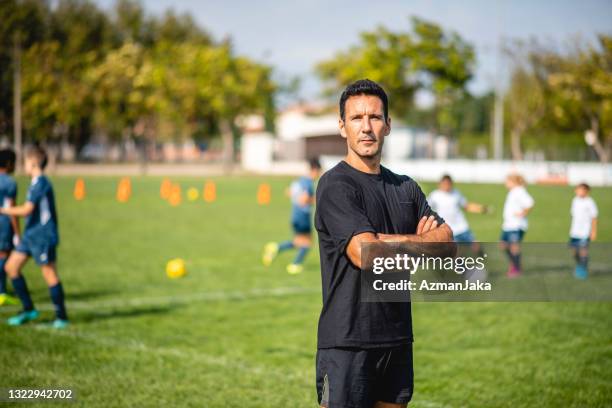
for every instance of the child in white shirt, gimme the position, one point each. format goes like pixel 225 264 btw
pixel 518 204
pixel 583 229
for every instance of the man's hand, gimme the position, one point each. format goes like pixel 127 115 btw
pixel 426 224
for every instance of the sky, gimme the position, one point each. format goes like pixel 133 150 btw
pixel 294 35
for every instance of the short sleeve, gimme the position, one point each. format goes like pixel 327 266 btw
pixel 594 210
pixel 526 200
pixel 12 191
pixel 423 208
pixel 461 200
pixel 340 213
pixel 36 192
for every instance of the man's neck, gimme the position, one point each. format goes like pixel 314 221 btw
pixel 364 164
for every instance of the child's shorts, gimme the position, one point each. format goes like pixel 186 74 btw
pixel 42 252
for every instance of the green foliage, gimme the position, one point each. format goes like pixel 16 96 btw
pixel 126 74
pixel 564 91
pixel 425 58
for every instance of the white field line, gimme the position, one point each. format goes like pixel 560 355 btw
pixel 182 299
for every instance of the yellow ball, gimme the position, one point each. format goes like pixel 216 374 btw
pixel 175 268
pixel 192 194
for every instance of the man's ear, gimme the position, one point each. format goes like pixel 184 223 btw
pixel 388 127
pixel 342 129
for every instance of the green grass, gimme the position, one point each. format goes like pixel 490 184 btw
pixel 235 334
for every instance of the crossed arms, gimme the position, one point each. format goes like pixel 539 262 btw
pixel 428 231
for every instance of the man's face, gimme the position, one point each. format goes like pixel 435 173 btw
pixel 364 125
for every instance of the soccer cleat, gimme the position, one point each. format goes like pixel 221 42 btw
pixel 60 324
pixel 6 299
pixel 270 252
pixel 513 272
pixel 22 318
pixel 294 269
pixel 580 272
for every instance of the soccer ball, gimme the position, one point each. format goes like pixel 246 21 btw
pixel 192 194
pixel 175 268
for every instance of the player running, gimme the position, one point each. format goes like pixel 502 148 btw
pixel 449 203
pixel 9 226
pixel 364 349
pixel 301 193
pixel 40 239
pixel 518 204
pixel 584 228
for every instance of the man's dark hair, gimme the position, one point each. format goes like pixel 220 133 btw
pixel 7 158
pixel 446 177
pixel 585 186
pixel 364 87
pixel 314 163
pixel 37 153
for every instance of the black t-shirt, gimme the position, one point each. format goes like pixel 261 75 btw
pixel 351 202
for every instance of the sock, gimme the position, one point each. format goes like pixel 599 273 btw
pixel 583 261
pixel 57 296
pixel 2 276
pixel 283 246
pixel 299 258
pixel 21 288
pixel 515 259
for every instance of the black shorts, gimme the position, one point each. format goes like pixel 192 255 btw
pixel 357 378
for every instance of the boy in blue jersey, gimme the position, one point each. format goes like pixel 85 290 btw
pixel 302 195
pixel 9 227
pixel 39 241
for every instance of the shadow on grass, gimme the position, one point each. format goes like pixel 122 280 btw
pixel 88 317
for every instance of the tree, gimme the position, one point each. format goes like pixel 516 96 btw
pixel 526 98
pixel 582 82
pixel 425 58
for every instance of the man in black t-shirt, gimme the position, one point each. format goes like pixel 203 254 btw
pixel 364 349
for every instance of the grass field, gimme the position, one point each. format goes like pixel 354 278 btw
pixel 235 334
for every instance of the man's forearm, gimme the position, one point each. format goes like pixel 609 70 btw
pixel 436 242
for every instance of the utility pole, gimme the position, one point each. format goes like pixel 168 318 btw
pixel 497 135
pixel 17 101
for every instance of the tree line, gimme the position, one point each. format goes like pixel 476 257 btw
pixel 122 74
pixel 125 74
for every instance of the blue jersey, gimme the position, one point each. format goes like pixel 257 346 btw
pixel 298 188
pixel 8 192
pixel 41 224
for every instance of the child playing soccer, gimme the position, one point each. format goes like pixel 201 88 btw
pixel 302 198
pixel 517 206
pixel 40 239
pixel 583 229
pixel 9 227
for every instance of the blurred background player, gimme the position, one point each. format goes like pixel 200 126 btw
pixel 302 197
pixel 9 226
pixel 40 239
pixel 584 228
pixel 517 206
pixel 449 203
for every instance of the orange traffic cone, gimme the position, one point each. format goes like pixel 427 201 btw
pixel 210 191
pixel 165 189
pixel 124 190
pixel 175 195
pixel 79 189
pixel 264 194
